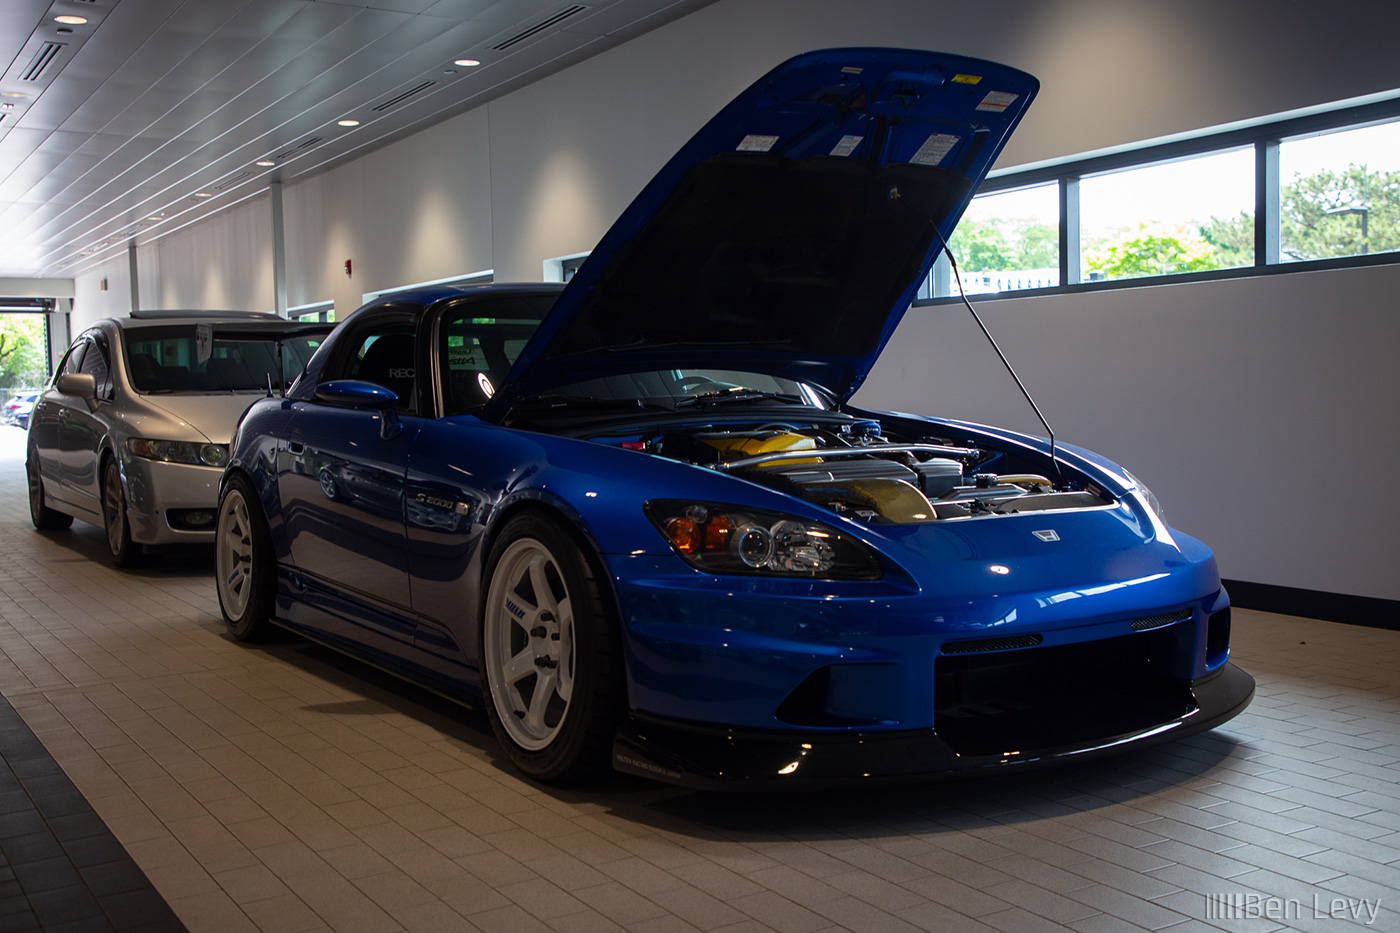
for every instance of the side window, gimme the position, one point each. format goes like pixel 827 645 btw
pixel 95 362
pixel 387 356
pixel 71 362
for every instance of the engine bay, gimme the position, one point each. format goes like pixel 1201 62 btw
pixel 850 467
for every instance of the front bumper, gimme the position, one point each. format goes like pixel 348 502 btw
pixel 711 757
pixel 162 497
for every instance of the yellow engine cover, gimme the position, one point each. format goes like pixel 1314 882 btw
pixel 734 446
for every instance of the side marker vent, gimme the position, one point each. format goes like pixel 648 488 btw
pixel 973 645
pixel 1147 623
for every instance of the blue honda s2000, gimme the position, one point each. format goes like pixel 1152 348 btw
pixel 637 520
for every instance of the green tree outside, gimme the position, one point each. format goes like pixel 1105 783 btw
pixel 1324 215
pixel 23 362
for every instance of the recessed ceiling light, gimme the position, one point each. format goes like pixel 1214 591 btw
pixel 156 216
pixel 17 95
pixel 467 62
pixel 265 163
pixel 347 123
pixel 203 194
pixel 70 20
pixel 7 106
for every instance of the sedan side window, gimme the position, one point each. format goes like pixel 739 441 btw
pixel 71 362
pixel 95 362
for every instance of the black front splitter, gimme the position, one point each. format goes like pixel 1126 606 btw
pixel 714 758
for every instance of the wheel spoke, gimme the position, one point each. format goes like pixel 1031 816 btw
pixel 539 702
pixel 539 582
pixel 564 653
pixel 519 667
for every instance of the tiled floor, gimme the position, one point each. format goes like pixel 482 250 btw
pixel 285 789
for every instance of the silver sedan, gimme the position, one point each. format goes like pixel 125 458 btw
pixel 132 433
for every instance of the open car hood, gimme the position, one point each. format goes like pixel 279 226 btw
pixel 791 233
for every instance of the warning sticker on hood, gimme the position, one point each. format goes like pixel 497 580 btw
pixel 997 101
pixel 757 143
pixel 934 149
pixel 846 146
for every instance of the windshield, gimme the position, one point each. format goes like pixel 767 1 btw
pixel 167 359
pixel 679 388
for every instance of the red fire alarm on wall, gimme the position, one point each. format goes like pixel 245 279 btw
pixel 347 268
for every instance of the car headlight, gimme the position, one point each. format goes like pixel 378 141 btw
pixel 719 538
pixel 214 455
pixel 1147 494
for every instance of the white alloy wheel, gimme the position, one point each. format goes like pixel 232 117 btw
pixel 233 554
pixel 528 640
pixel 245 569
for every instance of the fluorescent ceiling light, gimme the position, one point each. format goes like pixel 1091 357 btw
pixel 467 62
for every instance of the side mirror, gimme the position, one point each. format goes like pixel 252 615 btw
pixel 79 385
pixel 354 393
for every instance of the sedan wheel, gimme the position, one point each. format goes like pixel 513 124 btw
pixel 44 518
pixel 243 562
pixel 548 653
pixel 125 552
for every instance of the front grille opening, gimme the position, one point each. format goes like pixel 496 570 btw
pixel 1041 698
pixel 846 695
pixel 1005 643
pixel 1147 623
pixel 1218 637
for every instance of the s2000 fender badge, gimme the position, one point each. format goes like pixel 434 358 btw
pixel 1047 534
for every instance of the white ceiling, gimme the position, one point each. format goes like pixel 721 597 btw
pixel 125 122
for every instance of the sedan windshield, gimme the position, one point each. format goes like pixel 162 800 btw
pixel 169 359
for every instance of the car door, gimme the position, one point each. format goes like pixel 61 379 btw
pixel 342 488
pixel 82 427
pixel 49 411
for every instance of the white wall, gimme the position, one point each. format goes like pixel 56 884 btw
pixel 1196 387
pixel 1258 410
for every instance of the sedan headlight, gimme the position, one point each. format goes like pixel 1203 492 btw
pixel 719 538
pixel 214 455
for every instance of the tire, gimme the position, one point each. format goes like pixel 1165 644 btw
pixel 44 518
pixel 552 671
pixel 124 551
pixel 243 563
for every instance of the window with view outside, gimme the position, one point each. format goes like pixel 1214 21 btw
pixel 1340 194
pixel 1008 241
pixel 1190 215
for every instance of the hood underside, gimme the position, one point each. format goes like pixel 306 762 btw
pixel 790 234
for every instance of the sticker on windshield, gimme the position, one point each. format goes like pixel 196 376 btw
pixel 847 145
pixel 753 143
pixel 997 101
pixel 966 79
pixel 934 149
pixel 203 343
